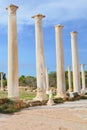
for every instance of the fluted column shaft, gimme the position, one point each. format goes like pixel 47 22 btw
pixel 13 91
pixel 47 81
pixel 61 90
pixel 2 81
pixel 69 79
pixel 40 60
pixel 83 77
pixel 75 62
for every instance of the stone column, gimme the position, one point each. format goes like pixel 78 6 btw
pixel 13 91
pixel 61 90
pixel 47 82
pixel 2 81
pixel 40 60
pixel 75 63
pixel 69 79
pixel 83 78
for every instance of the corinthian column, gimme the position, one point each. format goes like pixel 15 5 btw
pixel 83 78
pixel 13 91
pixel 61 90
pixel 69 79
pixel 75 63
pixel 40 60
pixel 2 81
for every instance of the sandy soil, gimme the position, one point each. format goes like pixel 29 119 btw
pixel 67 116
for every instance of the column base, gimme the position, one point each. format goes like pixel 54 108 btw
pixel 83 91
pixel 61 95
pixel 73 94
pixel 13 94
pixel 13 98
pixel 70 90
pixel 77 91
pixel 41 95
pixel 50 102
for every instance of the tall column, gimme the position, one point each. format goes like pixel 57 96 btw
pixel 2 81
pixel 69 79
pixel 75 63
pixel 13 91
pixel 61 90
pixel 47 82
pixel 40 60
pixel 83 78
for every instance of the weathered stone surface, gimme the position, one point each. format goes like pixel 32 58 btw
pixel 13 91
pixel 2 87
pixel 47 82
pixel 40 60
pixel 61 89
pixel 69 79
pixel 75 63
pixel 41 95
pixel 50 101
pixel 83 79
pixel 72 94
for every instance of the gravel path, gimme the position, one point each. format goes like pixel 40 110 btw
pixel 67 116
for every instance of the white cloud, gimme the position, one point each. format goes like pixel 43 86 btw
pixel 56 11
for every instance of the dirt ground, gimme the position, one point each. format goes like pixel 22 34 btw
pixel 67 116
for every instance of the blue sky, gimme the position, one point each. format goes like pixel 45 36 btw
pixel 71 13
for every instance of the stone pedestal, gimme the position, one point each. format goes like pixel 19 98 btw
pixel 50 101
pixel 47 82
pixel 41 94
pixel 70 79
pixel 2 87
pixel 40 60
pixel 13 91
pixel 75 63
pixel 61 89
pixel 73 94
pixel 83 79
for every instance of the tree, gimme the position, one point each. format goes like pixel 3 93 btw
pixel 22 80
pixel 27 81
pixel 52 79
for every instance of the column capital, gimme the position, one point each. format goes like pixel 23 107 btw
pixel 12 9
pixel 82 65
pixel 38 16
pixel 74 33
pixel 59 26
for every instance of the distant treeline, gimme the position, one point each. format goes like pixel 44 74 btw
pixel 31 81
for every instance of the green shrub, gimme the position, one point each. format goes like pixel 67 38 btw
pixel 10 106
pixel 58 100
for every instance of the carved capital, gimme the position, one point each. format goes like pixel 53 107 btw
pixel 73 34
pixel 58 28
pixel 38 18
pixel 12 9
